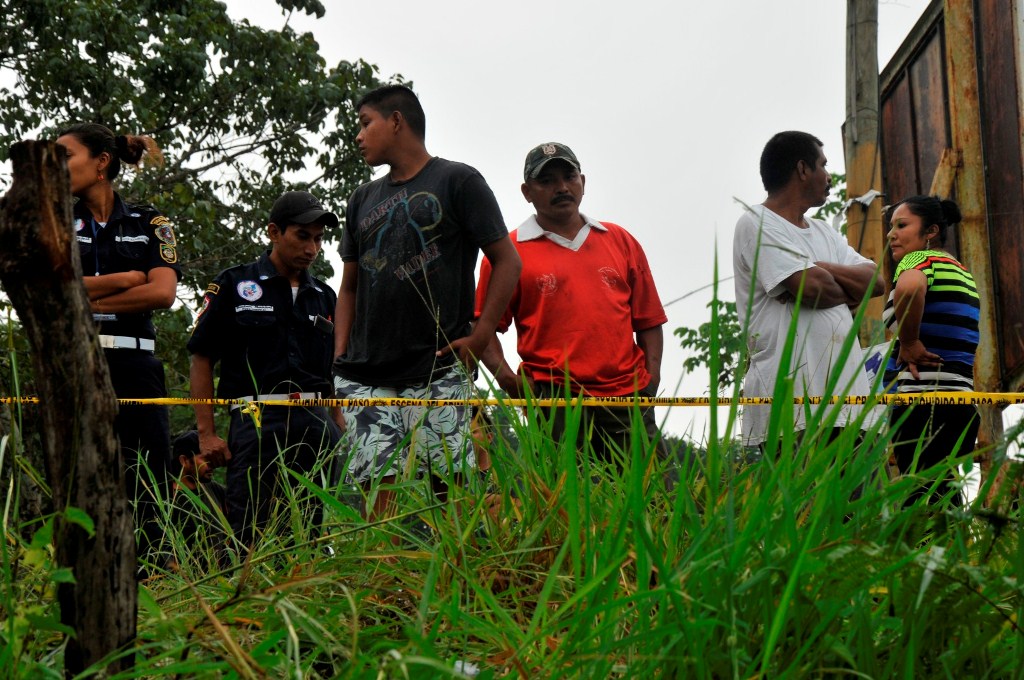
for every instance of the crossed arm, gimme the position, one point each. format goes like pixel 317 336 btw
pixel 829 285
pixel 131 292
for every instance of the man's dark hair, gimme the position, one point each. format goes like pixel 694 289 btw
pixel 185 444
pixel 782 153
pixel 390 98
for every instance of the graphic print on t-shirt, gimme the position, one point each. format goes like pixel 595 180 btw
pixel 400 236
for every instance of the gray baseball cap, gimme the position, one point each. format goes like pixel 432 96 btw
pixel 543 154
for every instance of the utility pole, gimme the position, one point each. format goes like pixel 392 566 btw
pixel 864 230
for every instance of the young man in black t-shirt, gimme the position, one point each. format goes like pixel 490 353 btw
pixel 405 307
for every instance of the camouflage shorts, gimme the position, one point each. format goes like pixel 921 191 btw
pixel 381 438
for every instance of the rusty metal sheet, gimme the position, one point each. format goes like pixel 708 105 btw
pixel 899 166
pixel 927 74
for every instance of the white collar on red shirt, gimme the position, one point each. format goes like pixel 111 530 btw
pixel 530 230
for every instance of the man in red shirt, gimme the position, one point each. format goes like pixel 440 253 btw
pixel 585 308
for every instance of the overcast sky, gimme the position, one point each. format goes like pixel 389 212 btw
pixel 667 105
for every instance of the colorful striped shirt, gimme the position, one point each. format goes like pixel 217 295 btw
pixel 949 325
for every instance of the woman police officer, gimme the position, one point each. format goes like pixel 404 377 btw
pixel 130 265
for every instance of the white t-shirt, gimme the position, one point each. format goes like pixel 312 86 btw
pixel 820 333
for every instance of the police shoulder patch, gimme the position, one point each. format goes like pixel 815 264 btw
pixel 168 254
pixel 165 234
pixel 213 289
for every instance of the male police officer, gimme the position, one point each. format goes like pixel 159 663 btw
pixel 269 323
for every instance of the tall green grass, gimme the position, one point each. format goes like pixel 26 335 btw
pixel 801 564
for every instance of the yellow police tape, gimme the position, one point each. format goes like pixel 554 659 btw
pixel 999 399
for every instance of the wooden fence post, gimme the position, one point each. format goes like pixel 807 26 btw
pixel 41 273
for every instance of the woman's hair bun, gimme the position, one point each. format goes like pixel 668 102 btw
pixel 950 211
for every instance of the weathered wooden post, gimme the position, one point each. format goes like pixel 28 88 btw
pixel 969 182
pixel 41 273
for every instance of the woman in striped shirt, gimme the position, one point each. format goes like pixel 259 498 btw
pixel 933 310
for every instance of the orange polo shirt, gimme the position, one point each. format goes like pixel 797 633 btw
pixel 577 305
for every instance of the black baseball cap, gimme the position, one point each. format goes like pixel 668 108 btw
pixel 300 207
pixel 542 154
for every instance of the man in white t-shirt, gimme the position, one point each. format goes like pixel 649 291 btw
pixel 787 264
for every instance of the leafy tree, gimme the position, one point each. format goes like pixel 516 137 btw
pixel 728 347
pixel 836 199
pixel 241 112
pixel 729 340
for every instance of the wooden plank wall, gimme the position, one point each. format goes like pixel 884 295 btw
pixel 915 130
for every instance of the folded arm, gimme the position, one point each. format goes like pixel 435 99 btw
pixel 857 280
pixel 115 293
pixel 108 284
pixel 815 288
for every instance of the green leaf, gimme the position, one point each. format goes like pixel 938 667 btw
pixel 43 536
pixel 149 603
pixel 62 575
pixel 49 621
pixel 81 518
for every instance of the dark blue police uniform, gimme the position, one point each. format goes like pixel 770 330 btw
pixel 135 238
pixel 269 347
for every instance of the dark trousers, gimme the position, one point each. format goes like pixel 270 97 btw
pixel 144 433
pixel 940 427
pixel 294 438
pixel 608 429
